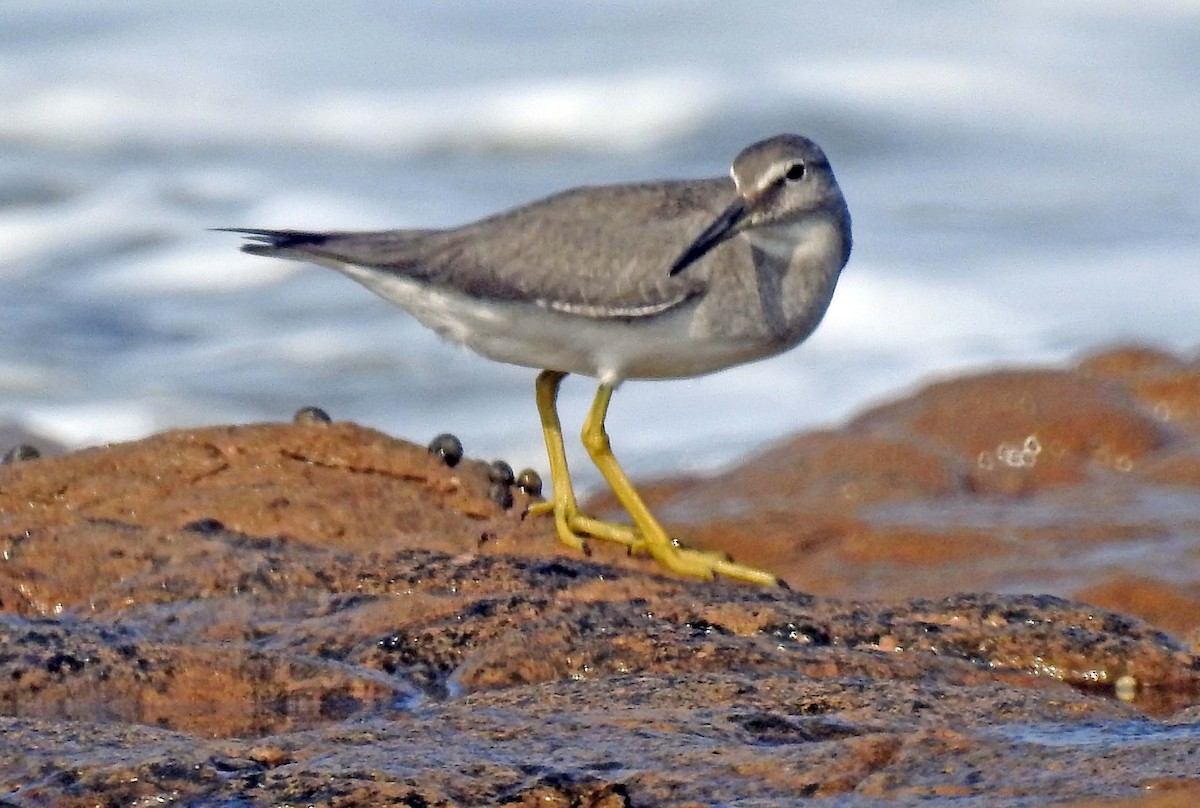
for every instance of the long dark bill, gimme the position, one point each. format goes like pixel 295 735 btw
pixel 724 226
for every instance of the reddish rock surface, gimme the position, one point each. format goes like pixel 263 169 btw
pixel 1082 482
pixel 320 614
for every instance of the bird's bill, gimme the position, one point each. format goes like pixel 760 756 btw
pixel 723 227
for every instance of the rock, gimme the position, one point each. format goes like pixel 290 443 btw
pixel 280 614
pixel 899 502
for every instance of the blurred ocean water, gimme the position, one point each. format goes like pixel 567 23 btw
pixel 1023 177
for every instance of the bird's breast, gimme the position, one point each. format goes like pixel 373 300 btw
pixel 772 285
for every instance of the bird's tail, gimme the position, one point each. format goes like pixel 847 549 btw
pixel 276 242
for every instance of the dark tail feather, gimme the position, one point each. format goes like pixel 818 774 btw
pixel 265 242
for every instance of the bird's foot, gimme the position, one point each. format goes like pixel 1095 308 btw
pixel 574 529
pixel 707 564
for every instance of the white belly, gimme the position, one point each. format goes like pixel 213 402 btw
pixel 611 350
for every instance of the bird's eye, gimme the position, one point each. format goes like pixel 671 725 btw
pixel 795 172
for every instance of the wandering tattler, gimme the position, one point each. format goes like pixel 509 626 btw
pixel 651 280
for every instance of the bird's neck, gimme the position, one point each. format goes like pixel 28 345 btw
pixel 796 267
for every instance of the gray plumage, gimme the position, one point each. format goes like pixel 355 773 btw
pixel 728 269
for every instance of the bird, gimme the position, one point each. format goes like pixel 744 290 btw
pixel 644 280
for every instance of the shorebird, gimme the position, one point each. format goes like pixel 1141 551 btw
pixel 649 280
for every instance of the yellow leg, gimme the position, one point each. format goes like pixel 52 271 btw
pixel 570 524
pixel 652 537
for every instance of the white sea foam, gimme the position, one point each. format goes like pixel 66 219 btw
pixel 93 422
pixel 1020 197
pixel 189 268
pixel 585 112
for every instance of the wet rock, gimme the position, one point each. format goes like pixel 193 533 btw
pixel 279 614
pixel 1021 431
pixel 1172 607
pixel 89 671
pixel 1166 385
pixel 897 503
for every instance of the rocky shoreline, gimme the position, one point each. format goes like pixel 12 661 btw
pixel 996 601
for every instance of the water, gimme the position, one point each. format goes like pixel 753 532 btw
pixel 1023 178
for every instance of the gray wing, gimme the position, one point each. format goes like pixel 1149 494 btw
pixel 599 252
